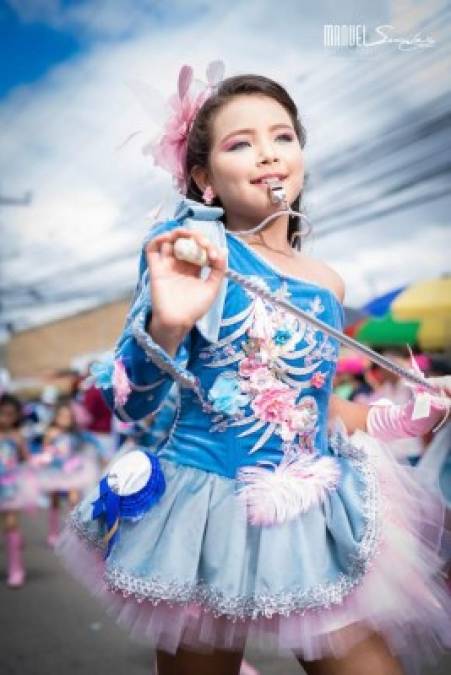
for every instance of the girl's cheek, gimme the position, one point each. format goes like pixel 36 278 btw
pixel 234 169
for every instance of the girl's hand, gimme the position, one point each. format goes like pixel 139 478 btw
pixel 179 296
pixel 442 383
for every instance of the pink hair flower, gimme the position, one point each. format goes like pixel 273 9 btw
pixel 169 152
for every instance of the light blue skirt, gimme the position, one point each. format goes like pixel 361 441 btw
pixel 194 571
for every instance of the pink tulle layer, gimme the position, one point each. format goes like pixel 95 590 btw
pixel 82 476
pixel 402 596
pixel 21 489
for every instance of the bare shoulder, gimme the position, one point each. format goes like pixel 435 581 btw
pixel 324 275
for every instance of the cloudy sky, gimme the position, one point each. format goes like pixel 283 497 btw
pixel 79 77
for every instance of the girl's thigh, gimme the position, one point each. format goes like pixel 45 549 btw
pixel 371 656
pixel 9 520
pixel 73 498
pixel 186 662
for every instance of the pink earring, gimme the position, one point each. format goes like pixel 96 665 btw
pixel 208 195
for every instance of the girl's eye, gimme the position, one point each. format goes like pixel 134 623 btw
pixel 238 144
pixel 286 138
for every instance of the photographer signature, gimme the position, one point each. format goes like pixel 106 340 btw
pixel 404 44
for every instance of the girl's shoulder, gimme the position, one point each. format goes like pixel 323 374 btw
pixel 319 272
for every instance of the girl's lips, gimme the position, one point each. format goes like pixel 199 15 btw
pixel 267 180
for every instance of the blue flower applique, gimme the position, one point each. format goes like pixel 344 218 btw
pixel 225 394
pixel 281 336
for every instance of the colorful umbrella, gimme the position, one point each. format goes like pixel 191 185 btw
pixel 417 314
pixel 424 300
pixel 386 331
pixel 353 315
pixel 380 306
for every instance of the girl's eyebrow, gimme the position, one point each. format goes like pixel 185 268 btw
pixel 250 131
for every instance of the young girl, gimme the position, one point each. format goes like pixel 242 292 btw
pixel 252 520
pixel 16 488
pixel 68 463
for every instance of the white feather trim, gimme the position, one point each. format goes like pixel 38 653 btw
pixel 277 494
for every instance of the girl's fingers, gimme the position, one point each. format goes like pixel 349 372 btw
pixel 217 268
pixel 218 259
pixel 155 244
pixel 166 249
pixel 163 244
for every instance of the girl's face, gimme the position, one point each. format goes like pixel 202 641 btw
pixel 253 136
pixel 8 417
pixel 64 418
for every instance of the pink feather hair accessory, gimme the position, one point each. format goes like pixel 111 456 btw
pixel 291 488
pixel 121 384
pixel 169 151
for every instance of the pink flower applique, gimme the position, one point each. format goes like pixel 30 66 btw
pixel 249 365
pixel 318 379
pixel 274 403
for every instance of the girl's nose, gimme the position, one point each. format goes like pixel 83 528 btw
pixel 267 153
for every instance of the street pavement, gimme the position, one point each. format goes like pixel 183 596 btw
pixel 52 626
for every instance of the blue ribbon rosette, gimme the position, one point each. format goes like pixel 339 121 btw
pixel 134 483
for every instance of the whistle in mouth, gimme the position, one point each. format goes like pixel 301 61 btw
pixel 276 191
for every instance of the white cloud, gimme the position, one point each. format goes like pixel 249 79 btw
pixel 104 19
pixel 60 136
pixel 370 271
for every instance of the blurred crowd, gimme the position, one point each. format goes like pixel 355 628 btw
pixel 53 449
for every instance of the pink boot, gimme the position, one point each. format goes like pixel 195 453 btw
pixel 247 669
pixel 54 522
pixel 16 572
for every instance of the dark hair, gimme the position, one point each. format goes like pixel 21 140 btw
pixel 440 365
pixel 14 402
pixel 199 139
